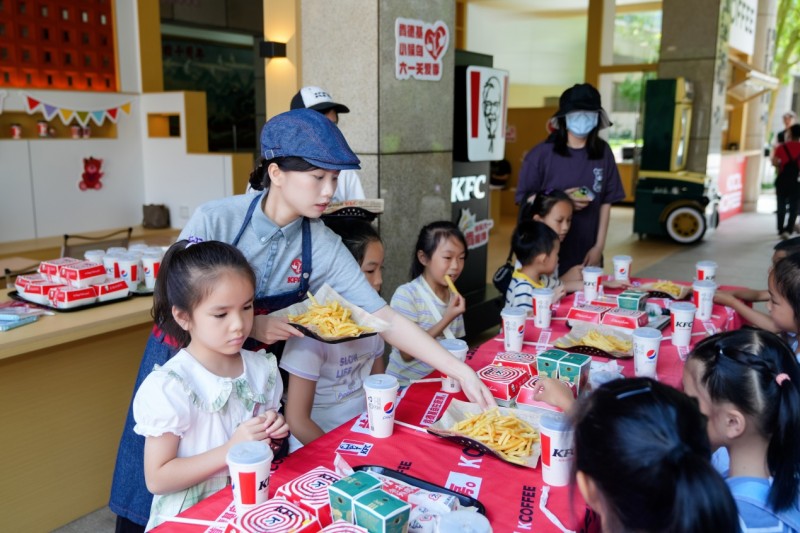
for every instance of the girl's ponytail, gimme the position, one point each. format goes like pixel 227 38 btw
pixel 783 453
pixel 702 499
pixel 162 306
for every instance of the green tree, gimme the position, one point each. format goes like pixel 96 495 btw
pixel 787 46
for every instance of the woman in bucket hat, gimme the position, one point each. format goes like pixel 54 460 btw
pixel 575 159
pixel 292 252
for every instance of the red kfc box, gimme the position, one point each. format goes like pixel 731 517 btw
pixel 39 291
pixel 69 297
pixel 310 491
pixel 524 361
pixel 340 526
pixel 82 274
pixel 605 301
pixel 23 280
pixel 50 268
pixel 503 381
pixel 626 319
pixel 586 313
pixel 111 289
pixel 525 398
pixel 276 516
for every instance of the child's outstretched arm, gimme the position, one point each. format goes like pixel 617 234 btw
pixel 750 315
pixel 299 401
pixel 165 472
pixel 746 295
pixel 554 392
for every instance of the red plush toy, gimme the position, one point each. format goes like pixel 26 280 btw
pixel 91 174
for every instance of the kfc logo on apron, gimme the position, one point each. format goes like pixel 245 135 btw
pixel 297 267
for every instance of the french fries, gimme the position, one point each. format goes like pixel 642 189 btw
pixel 607 343
pixel 668 287
pixel 450 284
pixel 329 320
pixel 509 436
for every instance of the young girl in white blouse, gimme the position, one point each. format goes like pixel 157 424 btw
pixel 212 394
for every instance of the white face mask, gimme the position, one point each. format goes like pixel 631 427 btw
pixel 580 123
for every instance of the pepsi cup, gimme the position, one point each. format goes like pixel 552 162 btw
pixel 542 314
pixel 381 391
pixel 703 298
pixel 646 342
pixel 513 328
pixel 249 464
pixel 458 349
pixel 622 267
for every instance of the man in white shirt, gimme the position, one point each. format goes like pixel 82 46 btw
pixel 349 185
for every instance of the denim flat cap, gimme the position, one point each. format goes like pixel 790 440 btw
pixel 310 135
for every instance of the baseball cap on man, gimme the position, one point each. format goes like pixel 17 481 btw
pixel 309 135
pixel 316 98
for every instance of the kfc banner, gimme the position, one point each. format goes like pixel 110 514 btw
pixel 487 97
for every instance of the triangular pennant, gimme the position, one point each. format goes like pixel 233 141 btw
pixel 126 107
pixel 83 117
pixel 66 115
pixel 49 111
pixel 32 104
pixel 112 114
pixel 98 116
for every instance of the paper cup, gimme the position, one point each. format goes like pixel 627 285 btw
pixel 513 328
pixel 249 464
pixel 95 256
pixel 130 266
pixel 705 270
pixel 150 264
pixel 646 342
pixel 557 439
pixel 591 282
pixel 116 250
pixel 458 348
pixel 622 267
pixel 110 262
pixel 381 391
pixel 682 322
pixel 542 300
pixel 703 298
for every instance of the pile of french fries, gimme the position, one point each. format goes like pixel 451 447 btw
pixel 507 435
pixel 667 286
pixel 608 343
pixel 329 320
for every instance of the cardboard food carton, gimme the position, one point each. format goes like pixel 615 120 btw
pixel 343 493
pixel 380 512
pixel 50 268
pixel 276 516
pixel 39 291
pixel 592 314
pixel 524 361
pixel 340 526
pixel 82 274
pixel 310 492
pixel 609 301
pixel 574 369
pixel 526 401
pixel 503 382
pixel 547 362
pixel 632 299
pixel 69 297
pixel 625 319
pixel 23 280
pixel 111 289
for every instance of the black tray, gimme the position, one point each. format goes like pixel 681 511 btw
pixel 309 333
pixel 466 501
pixel 16 296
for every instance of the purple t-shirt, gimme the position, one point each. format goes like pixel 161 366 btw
pixel 543 169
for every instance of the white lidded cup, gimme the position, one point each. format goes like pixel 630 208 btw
pixel 458 348
pixel 622 267
pixel 682 322
pixel 542 314
pixel 111 264
pixel 558 447
pixel 646 342
pixel 703 298
pixel 95 256
pixel 463 521
pixel 591 282
pixel 249 464
pixel 130 266
pixel 705 270
pixel 513 328
pixel 381 391
pixel 150 265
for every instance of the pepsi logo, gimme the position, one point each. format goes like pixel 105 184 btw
pixel 621 270
pixel 651 354
pixel 388 408
pixel 147 270
pixel 521 329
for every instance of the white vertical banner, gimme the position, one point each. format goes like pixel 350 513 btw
pixel 487 102
pixel 742 34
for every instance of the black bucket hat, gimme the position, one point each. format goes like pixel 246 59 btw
pixel 581 97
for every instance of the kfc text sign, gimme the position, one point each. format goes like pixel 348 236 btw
pixel 487 94
pixel 419 48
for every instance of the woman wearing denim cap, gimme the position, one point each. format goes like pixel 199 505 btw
pixel 292 252
pixel 575 159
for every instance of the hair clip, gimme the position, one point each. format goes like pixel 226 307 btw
pixel 780 378
pixel 192 240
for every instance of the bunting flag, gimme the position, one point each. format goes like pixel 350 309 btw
pixel 98 116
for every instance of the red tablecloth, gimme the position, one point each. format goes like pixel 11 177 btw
pixel 511 494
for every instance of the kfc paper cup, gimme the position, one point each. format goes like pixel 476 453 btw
pixel 542 300
pixel 646 342
pixel 111 262
pixel 458 348
pixel 381 391
pixel 682 322
pixel 622 267
pixel 249 464
pixel 703 298
pixel 557 439
pixel 513 328
pixel 95 256
pixel 705 270
pixel 150 264
pixel 591 282
pixel 130 266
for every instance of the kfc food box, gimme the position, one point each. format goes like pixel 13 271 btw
pixel 310 491
pixel 82 274
pixel 340 526
pixel 68 297
pixel 111 289
pixel 343 493
pixel 39 291
pixel 276 516
pixel 632 299
pixel 380 512
pixel 526 402
pixel 524 361
pixel 547 362
pixel 50 268
pixel 625 319
pixel 23 280
pixel 592 314
pixel 503 381
pixel 574 371
pixel 605 301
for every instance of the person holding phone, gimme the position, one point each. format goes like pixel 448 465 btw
pixel 576 160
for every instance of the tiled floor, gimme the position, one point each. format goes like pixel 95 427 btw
pixel 741 246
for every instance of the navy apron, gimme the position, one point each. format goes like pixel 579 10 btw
pixel 129 495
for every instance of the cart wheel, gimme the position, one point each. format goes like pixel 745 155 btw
pixel 686 225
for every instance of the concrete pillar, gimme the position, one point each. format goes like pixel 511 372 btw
pixel 401 130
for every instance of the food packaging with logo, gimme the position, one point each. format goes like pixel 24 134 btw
pixel 632 299
pixel 276 516
pixel 310 491
pixel 574 369
pixel 592 314
pixel 503 382
pixel 344 492
pixel 50 268
pixel 68 297
pixel 524 361
pixel 625 319
pixel 23 280
pixel 340 526
pixel 609 301
pixel 111 289
pixel 379 511
pixel 39 291
pixel 82 274
pixel 526 401
pixel 547 362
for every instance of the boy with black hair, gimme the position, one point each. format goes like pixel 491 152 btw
pixel 536 247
